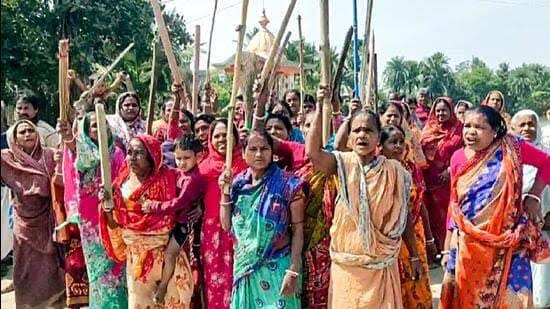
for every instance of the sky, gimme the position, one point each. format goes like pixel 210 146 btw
pixel 513 31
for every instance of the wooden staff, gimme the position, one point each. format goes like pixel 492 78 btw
pixel 152 89
pixel 207 79
pixel 105 160
pixel 368 86
pixel 277 61
pixel 301 54
pixel 268 65
pixel 325 69
pixel 64 90
pixel 339 75
pixel 236 82
pixel 375 78
pixel 366 41
pixel 196 69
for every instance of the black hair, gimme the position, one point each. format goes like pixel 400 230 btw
pixel 262 133
pixel 30 99
pixel 388 130
pixel 239 97
pixel 204 117
pixel 385 105
pixel 189 143
pixel 285 105
pixel 494 119
pixel 463 103
pixel 191 118
pixel 282 118
pixel 368 113
pixel 295 91
pixel 309 98
pixel 126 95
pixel 226 123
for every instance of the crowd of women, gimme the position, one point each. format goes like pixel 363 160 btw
pixel 291 223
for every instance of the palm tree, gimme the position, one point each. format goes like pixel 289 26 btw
pixel 436 74
pixel 396 74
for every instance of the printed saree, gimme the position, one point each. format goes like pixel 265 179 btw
pixel 489 263
pixel 141 238
pixel 369 218
pixel 261 226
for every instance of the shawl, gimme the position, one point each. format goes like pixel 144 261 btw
pixel 441 138
pixel 148 231
pixel 270 218
pixel 122 129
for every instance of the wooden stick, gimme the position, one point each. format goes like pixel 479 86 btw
pixel 325 69
pixel 339 75
pixel 368 86
pixel 375 79
pixel 165 39
pixel 64 84
pixel 196 69
pixel 152 89
pixel 105 162
pixel 277 61
pixel 366 40
pixel 236 82
pixel 301 54
pixel 207 79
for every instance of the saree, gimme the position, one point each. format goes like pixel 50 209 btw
pixel 106 278
pixel 369 218
pixel 216 251
pixel 140 239
pixel 318 213
pixel 439 142
pixel 38 276
pixel 261 226
pixel 489 263
pixel 415 293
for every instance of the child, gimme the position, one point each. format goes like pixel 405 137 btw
pixel 187 154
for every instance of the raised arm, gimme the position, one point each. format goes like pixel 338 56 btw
pixel 341 138
pixel 322 160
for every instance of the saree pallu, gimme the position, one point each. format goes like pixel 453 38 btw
pixel 369 218
pixel 261 226
pixel 491 233
pixel 319 210
pixel 415 293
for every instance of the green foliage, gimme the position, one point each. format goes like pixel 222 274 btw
pixel 98 30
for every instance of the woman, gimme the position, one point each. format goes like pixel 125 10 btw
pixel 412 138
pixel 27 169
pixel 526 124
pixel 182 125
pixel 289 155
pixel 139 239
pixel 415 293
pixel 265 214
pixel 82 180
pixel 217 245
pixel 126 122
pixel 391 113
pixel 461 107
pixel 495 100
pixel 491 228
pixel 369 218
pixel 282 107
pixel 441 137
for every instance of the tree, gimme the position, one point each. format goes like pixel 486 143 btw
pixel 436 74
pixel 396 74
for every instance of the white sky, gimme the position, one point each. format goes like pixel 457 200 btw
pixel 513 31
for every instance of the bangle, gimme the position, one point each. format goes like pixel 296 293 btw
pixel 258 117
pixel 445 252
pixel 414 259
pixel 336 113
pixel 292 273
pixel 226 203
pixel 430 241
pixel 68 141
pixel 536 198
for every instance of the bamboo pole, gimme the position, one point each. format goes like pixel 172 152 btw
pixel 236 82
pixel 196 69
pixel 152 89
pixel 375 79
pixel 325 69
pixel 366 40
pixel 301 54
pixel 277 61
pixel 105 162
pixel 356 61
pixel 64 85
pixel 339 75
pixel 368 86
pixel 207 79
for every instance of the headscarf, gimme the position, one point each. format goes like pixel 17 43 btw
pixel 87 151
pixel 121 128
pixel 486 100
pixel 460 102
pixel 438 136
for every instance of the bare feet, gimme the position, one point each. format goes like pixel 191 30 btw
pixel 160 293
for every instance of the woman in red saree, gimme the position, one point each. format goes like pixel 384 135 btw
pixel 441 137
pixel 216 244
pixel 493 237
pixel 139 238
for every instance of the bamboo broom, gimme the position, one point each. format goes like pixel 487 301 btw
pixel 236 81
pixel 325 69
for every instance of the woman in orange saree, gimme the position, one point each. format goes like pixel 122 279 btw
pixel 493 237
pixel 139 238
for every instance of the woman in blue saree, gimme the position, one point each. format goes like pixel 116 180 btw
pixel 265 213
